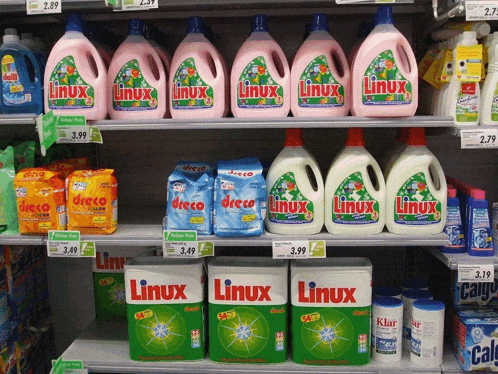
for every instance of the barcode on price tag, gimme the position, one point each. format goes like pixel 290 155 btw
pixel 303 249
pixel 476 273
pixel 184 244
pixel 140 4
pixel 474 139
pixel 481 10
pixel 43 6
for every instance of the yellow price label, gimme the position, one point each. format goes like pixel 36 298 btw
pixel 249 218
pixel 197 220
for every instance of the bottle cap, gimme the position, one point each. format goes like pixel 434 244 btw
pixel 386 291
pixel 428 305
pixel 10 36
pixel 319 23
pixel 195 25
pixel 383 16
pixel 451 192
pixel 135 27
pixel 260 23
pixel 416 137
pixel 478 194
pixel 365 29
pixel 293 138
pixel 355 137
pixel 482 29
pixel 74 22
pixel 387 301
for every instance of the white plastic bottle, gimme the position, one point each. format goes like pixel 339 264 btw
pixel 393 155
pixel 489 105
pixel 353 204
pixel 463 98
pixel 442 106
pixel 260 79
pixel 320 78
pixel 387 329
pixel 295 205
pixel 416 190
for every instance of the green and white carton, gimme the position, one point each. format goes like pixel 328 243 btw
pixel 108 280
pixel 330 307
pixel 248 310
pixel 165 308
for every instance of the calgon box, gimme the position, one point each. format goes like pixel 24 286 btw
pixel 165 308
pixel 330 308
pixel 248 310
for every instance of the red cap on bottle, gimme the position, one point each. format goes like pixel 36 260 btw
pixel 478 194
pixel 355 137
pixel 293 138
pixel 451 192
pixel 416 137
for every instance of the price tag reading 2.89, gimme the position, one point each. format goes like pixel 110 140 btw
pixel 43 6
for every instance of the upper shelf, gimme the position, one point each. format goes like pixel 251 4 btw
pixel 452 260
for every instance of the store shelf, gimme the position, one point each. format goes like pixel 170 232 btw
pixel 450 364
pixel 17 119
pixel 151 235
pixel 453 259
pixel 103 347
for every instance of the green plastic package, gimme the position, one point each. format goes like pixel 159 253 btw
pixel 8 206
pixel 24 155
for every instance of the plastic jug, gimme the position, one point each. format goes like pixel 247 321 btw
pixel 365 29
pixel 21 88
pixel 75 76
pixel 385 72
pixel 462 99
pixel 260 84
pixel 489 104
pixel 354 205
pixel 37 48
pixel 416 190
pixel 295 204
pixel 320 81
pixel 136 80
pixel 393 154
pixel 197 81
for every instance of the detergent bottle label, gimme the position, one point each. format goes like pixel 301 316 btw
pixel 189 90
pixel 67 89
pixel 414 203
pixel 467 105
pixel 130 91
pixel 453 227
pixel 13 91
pixel 482 237
pixel 318 88
pixel 287 204
pixel 256 88
pixel 494 105
pixel 352 204
pixel 383 83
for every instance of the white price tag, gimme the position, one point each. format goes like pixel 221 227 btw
pixel 73 134
pixel 481 10
pixel 184 244
pixel 140 4
pixel 476 273
pixel 473 139
pixel 43 6
pixel 303 249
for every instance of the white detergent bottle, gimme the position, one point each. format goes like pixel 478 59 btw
pixel 354 205
pixel 442 109
pixel 260 79
pixel 320 81
pixel 295 203
pixel 416 190
pixel 463 98
pixel 393 155
pixel 489 105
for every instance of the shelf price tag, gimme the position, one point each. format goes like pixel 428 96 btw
pixel 476 273
pixel 479 10
pixel 139 4
pixel 61 367
pixel 298 249
pixel 184 244
pixel 63 243
pixel 474 139
pixel 43 6
pixel 73 129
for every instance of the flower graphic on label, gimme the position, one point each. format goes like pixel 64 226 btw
pixel 358 186
pixel 261 70
pixel 135 73
pixel 191 71
pixel 421 186
pixel 389 64
pixel 323 69
pixel 70 70
pixel 291 186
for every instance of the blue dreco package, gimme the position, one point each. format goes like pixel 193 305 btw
pixel 239 198
pixel 475 293
pixel 475 338
pixel 190 198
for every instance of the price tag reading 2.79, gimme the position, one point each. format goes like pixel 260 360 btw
pixel 476 273
pixel 474 139
pixel 481 10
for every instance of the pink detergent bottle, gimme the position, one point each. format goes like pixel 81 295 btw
pixel 136 80
pixel 320 79
pixel 385 73
pixel 75 75
pixel 365 28
pixel 197 82
pixel 260 79
pixel 150 35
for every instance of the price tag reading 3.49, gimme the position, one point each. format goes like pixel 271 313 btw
pixel 476 273
pixel 475 139
pixel 481 10
pixel 303 249
pixel 43 6
pixel 184 244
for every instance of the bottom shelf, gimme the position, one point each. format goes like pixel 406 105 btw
pixel 103 347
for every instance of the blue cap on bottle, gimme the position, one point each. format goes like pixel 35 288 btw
pixel 386 291
pixel 365 29
pixel 319 23
pixel 259 23
pixel 195 25
pixel 428 305
pixel 74 22
pixel 387 302
pixel 135 27
pixel 383 16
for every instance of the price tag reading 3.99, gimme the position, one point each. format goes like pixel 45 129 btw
pixel 476 273
pixel 43 6
pixel 298 249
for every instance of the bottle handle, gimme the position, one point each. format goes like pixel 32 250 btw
pixel 36 67
pixel 318 177
pixel 378 174
pixel 90 48
pixel 441 179
pixel 159 65
pixel 409 59
pixel 217 63
pixel 342 60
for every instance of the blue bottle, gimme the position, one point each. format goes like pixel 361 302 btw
pixel 454 228
pixel 479 236
pixel 21 89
